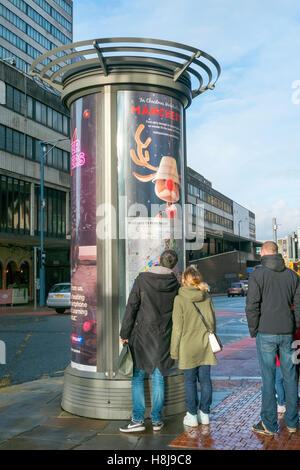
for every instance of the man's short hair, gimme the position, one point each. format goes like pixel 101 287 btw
pixel 270 247
pixel 168 259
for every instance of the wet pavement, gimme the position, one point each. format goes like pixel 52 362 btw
pixel 31 416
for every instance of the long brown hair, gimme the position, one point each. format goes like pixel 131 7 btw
pixel 193 278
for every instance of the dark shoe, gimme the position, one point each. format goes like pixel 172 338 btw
pixel 260 428
pixel 157 426
pixel 133 426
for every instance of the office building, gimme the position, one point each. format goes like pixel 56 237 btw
pixel 226 248
pixel 32 27
pixel 31 112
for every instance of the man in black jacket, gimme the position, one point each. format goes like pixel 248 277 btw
pixel 147 326
pixel 272 290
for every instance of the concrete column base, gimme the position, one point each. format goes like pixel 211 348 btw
pixel 93 396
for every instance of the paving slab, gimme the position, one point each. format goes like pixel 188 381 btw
pixel 62 434
pixel 230 427
pixel 22 443
pixel 110 442
pixel 160 442
pixel 76 422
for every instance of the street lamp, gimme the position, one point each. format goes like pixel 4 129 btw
pixel 240 260
pixel 44 152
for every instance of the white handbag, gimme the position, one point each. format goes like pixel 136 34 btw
pixel 215 342
pixel 215 345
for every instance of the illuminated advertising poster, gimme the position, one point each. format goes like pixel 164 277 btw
pixel 83 234
pixel 151 167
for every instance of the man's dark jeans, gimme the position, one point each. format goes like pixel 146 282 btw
pixel 267 347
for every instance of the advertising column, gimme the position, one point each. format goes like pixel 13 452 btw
pixel 83 226
pixel 151 179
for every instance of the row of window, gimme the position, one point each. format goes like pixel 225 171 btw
pixel 195 210
pixel 15 208
pixel 54 212
pixel 64 5
pixel 218 219
pixel 14 205
pixel 23 6
pixel 15 142
pixel 48 27
pixel 31 32
pixel 13 39
pixel 23 45
pixel 204 196
pixel 12 18
pixel 20 63
pixel 252 230
pixel 37 111
pixel 47 7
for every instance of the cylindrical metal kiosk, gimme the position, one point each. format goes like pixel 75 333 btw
pixel 127 99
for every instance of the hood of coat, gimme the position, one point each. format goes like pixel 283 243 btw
pixel 193 294
pixel 160 270
pixel 161 280
pixel 273 262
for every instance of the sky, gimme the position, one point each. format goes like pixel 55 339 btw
pixel 244 136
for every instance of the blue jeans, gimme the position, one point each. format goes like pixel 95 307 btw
pixel 138 396
pixel 191 376
pixel 279 386
pixel 267 348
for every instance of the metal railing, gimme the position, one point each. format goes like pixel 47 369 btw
pixel 180 60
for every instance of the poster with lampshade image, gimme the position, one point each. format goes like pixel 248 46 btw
pixel 151 175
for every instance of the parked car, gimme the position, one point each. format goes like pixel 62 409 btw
pixel 245 285
pixel 59 297
pixel 236 288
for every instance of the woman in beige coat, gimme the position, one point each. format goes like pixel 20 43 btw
pixel 190 344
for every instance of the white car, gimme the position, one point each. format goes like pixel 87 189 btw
pixel 245 285
pixel 59 297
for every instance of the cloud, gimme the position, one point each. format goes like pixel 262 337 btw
pixel 243 136
pixel 287 217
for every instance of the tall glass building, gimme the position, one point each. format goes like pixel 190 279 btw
pixel 30 28
pixel 31 112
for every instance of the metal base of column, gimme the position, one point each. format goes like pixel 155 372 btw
pixel 93 396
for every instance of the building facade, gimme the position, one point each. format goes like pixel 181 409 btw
pixel 32 27
pixel 31 112
pixel 224 227
pixel 289 247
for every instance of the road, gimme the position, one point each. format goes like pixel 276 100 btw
pixel 38 346
pixel 238 360
pixel 231 318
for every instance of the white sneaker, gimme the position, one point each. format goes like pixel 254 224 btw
pixel 203 418
pixel 281 408
pixel 190 420
pixel 133 426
